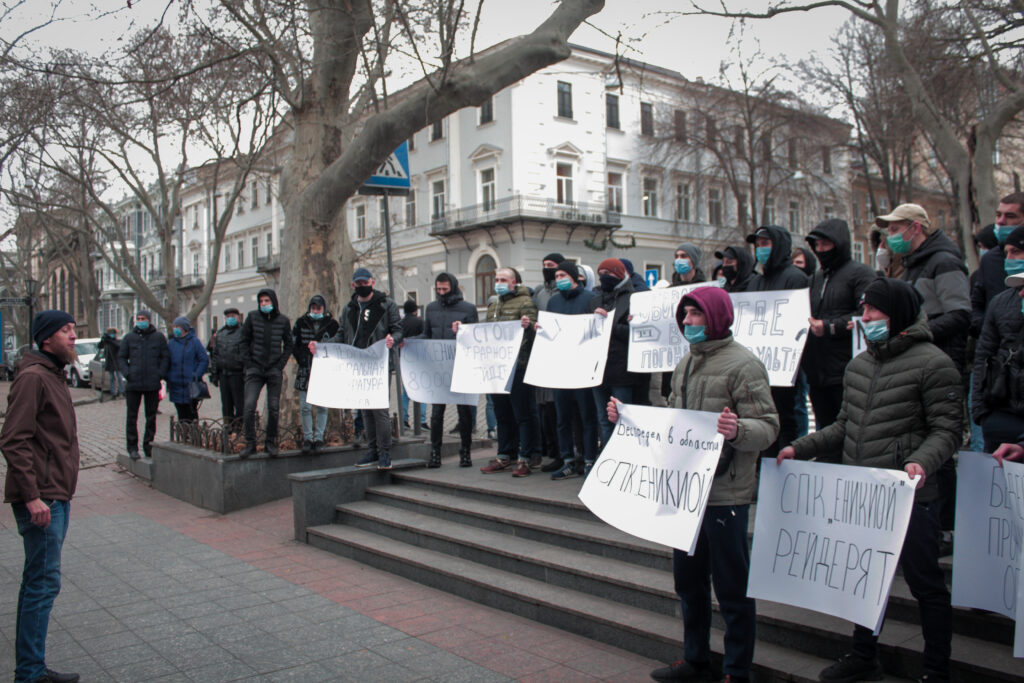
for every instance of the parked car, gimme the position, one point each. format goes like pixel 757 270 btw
pixel 99 378
pixel 77 372
pixel 11 362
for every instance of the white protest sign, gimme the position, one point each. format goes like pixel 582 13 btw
pixel 828 537
pixel 773 325
pixel 859 342
pixel 569 351
pixel 655 342
pixel 654 476
pixel 987 558
pixel 485 357
pixel 427 372
pixel 343 376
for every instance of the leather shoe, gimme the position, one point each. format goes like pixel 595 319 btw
pixel 133 454
pixel 250 449
pixel 55 677
pixel 271 449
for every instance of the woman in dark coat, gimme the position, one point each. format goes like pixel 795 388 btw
pixel 188 362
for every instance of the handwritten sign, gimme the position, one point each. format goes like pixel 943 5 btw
pixel 569 351
pixel 773 325
pixel 655 342
pixel 828 537
pixel 427 372
pixel 486 356
pixel 343 376
pixel 654 476
pixel 987 557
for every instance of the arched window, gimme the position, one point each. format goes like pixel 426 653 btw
pixel 485 268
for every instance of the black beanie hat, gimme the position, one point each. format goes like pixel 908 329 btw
pixel 410 306
pixel 554 256
pixel 897 299
pixel 570 268
pixel 46 323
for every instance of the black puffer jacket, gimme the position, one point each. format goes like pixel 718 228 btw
pixel 745 275
pixel 937 271
pixel 229 352
pixel 1002 331
pixel 988 281
pixel 440 314
pixel 144 359
pixel 835 299
pixel 362 326
pixel 268 337
pixel 779 273
pixel 615 373
pixel 306 330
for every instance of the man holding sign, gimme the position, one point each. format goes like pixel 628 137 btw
pixel 902 409
pixel 719 375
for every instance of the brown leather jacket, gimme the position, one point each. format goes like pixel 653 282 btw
pixel 39 439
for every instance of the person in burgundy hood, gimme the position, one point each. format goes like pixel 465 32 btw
pixel 721 376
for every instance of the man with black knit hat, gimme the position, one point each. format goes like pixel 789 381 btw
pixel 227 368
pixel 719 375
pixel 545 290
pixel 737 269
pixel 39 441
pixel 902 409
pixel 612 298
pixel 544 398
pixel 316 325
pixel 267 337
pixel 145 360
pixel 836 291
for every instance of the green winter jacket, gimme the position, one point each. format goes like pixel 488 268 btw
pixel 724 373
pixel 902 403
pixel 513 306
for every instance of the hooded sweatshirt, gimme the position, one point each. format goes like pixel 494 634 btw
pixel 745 275
pixel 268 337
pixel 307 329
pixel 447 309
pixel 779 272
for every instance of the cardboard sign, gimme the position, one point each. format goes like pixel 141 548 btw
pixel 987 556
pixel 427 372
pixel 828 537
pixel 655 342
pixel 859 341
pixel 654 476
pixel 569 351
pixel 486 356
pixel 343 376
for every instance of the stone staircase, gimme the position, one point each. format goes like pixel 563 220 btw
pixel 529 546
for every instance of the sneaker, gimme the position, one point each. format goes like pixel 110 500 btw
pixel 368 460
pixel 553 466
pixel 933 677
pixel 496 465
pixel 535 461
pixel 134 454
pixel 522 469
pixel 568 471
pixel 307 447
pixel 464 459
pixel 250 449
pixel 683 671
pixel 270 448
pixel 55 677
pixel 851 668
pixel 385 461
pixel 318 445
pixel 586 468
pixel 435 458
pixel 490 433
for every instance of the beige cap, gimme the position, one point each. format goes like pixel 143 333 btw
pixel 905 212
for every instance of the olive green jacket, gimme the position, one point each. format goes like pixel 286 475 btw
pixel 724 373
pixel 513 306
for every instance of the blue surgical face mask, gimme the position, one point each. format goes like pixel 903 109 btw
pixel 564 284
pixel 695 333
pixel 982 251
pixel 231 321
pixel 721 282
pixel 268 309
pixel 501 289
pixel 876 330
pixel 683 266
pixel 1003 231
pixel 1013 266
pixel 762 254
pixel 142 324
pixel 178 332
pixel 316 316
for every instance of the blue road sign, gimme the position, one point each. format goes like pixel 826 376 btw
pixel 651 275
pixel 394 172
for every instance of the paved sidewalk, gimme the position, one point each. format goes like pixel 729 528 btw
pixel 157 590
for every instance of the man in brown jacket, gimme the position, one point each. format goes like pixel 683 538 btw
pixel 39 440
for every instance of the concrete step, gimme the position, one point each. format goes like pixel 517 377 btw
pixel 637 630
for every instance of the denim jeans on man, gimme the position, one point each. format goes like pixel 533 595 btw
pixel 920 563
pixel 116 383
pixel 255 380
pixel 584 401
pixel 40 584
pixel 602 394
pixel 309 432
pixel 722 558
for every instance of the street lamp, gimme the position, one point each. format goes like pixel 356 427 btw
pixel 31 287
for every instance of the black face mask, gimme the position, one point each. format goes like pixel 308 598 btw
pixel 364 290
pixel 549 274
pixel 828 259
pixel 609 282
pixel 729 272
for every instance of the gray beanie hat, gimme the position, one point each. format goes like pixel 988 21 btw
pixel 693 251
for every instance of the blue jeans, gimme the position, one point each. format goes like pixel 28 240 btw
pixel 602 394
pixel 492 420
pixel 40 584
pixel 584 400
pixel 306 415
pixel 800 409
pixel 405 410
pixel 116 383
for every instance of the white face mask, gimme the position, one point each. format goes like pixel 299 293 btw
pixel 882 258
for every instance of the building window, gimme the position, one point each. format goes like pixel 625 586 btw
pixel 241 254
pixel 679 117
pixel 195 264
pixel 487 111
pixel 485 268
pixel 563 183
pixel 858 251
pixel 487 189
pixel 826 160
pixel 646 119
pixel 412 142
pixel 437 130
pixel 766 148
pixel 650 197
pixel 270 243
pixel 739 143
pixel 611 111
pixel 382 213
pixel 615 192
pixel 240 204
pixel 361 222
pixel 410 208
pixel 254 200
pixel 714 206
pixel 437 199
pixel 710 133
pixel 794 216
pixel 683 201
pixel 227 259
pixel 791 153
pixel 565 99
pixel 741 210
pixel 268 190
pixel 255 249
pixel 768 213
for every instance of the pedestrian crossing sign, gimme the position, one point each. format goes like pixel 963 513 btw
pixel 394 172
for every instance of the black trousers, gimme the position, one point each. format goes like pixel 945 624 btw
pixel 826 402
pixel 785 404
pixel 187 411
pixel 465 425
pixel 255 380
pixel 131 431
pixel 232 396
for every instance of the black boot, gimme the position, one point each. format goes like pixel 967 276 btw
pixel 250 449
pixel 435 458
pixel 464 460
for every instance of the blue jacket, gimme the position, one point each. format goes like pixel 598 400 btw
pixel 188 362
pixel 572 302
